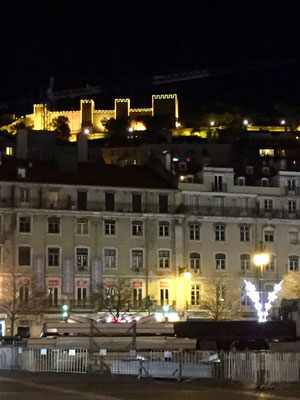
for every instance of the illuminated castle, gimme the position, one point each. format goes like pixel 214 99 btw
pixel 94 120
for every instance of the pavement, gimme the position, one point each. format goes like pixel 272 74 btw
pixel 60 386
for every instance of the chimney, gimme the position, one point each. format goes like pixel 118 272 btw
pixel 82 147
pixel 22 144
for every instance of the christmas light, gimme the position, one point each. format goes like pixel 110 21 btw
pixel 262 309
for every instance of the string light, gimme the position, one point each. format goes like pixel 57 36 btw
pixel 254 296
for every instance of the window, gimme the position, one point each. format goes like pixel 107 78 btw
pixel 137 259
pixel 241 181
pixel 293 237
pixel 271 264
pixel 164 259
pixel 82 200
pixel 292 206
pixel 137 295
pixel 110 258
pixel 110 227
pixel 269 235
pixel 244 233
pixel 24 195
pixel 24 294
pixel 195 295
pixel 8 151
pixel 245 262
pixel 220 293
pixel 109 202
pixel 194 232
pixel 53 198
pixel 218 183
pixel 53 256
pixel 24 256
pixel 293 263
pixel 82 258
pixel 245 299
pixel 220 232
pixel 163 203
pixel 249 170
pixel 291 184
pixel 220 261
pixel 82 226
pixel 163 229
pixel 268 205
pixel 24 224
pixel 54 225
pixel 164 296
pixel 195 261
pixel 136 203
pixel 137 228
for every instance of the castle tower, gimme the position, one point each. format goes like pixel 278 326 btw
pixel 122 108
pixel 87 108
pixel 40 117
pixel 167 105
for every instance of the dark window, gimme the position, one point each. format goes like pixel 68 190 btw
pixel 163 203
pixel 109 202
pixel 137 203
pixel 24 256
pixel 24 294
pixel 82 200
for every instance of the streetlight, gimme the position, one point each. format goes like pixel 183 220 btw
pixel 212 123
pixel 282 122
pixel 245 122
pixel 65 312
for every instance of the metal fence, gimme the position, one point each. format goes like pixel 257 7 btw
pixel 256 367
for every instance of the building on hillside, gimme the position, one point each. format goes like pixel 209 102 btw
pixel 93 121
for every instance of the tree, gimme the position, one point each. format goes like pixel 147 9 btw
pixel 291 286
pixel 221 301
pixel 61 127
pixel 19 298
pixel 116 299
pixel 117 129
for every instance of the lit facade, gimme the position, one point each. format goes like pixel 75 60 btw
pixel 70 238
pixel 90 118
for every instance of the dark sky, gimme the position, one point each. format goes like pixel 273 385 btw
pixel 126 42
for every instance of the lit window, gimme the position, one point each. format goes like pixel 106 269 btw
pixel 195 295
pixel 266 152
pixel 9 151
pixel 245 299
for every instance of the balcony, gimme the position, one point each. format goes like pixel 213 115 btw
pixel 56 306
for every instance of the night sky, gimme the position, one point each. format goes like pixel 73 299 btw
pixel 250 47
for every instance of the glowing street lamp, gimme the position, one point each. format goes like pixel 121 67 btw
pixel 212 123
pixel 187 275
pixel 245 122
pixel 282 122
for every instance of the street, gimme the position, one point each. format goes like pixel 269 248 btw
pixel 25 385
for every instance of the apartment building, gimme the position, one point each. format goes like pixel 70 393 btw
pixel 71 232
